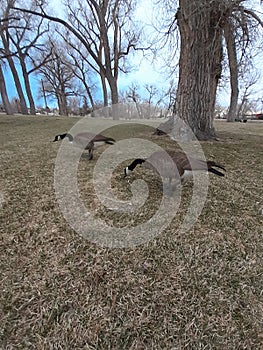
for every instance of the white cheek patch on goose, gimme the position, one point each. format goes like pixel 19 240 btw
pixel 127 171
pixel 187 174
pixel 98 144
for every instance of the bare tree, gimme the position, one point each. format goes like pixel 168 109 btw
pixel 202 26
pixel 246 90
pixel 6 41
pixel 81 68
pixel 25 39
pixel 108 28
pixel 58 78
pixel 152 92
pixel 149 101
pixel 240 33
pixel 102 36
pixel 134 96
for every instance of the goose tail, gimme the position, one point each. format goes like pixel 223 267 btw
pixel 212 164
pixel 109 141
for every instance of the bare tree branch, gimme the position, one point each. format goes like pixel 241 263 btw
pixel 68 26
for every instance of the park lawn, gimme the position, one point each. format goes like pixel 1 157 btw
pixel 200 289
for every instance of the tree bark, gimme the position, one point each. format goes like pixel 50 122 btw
pixel 199 66
pixel 7 106
pixel 89 95
pixel 114 89
pixel 104 89
pixel 27 85
pixel 233 68
pixel 22 101
pixel 62 103
pixel 199 69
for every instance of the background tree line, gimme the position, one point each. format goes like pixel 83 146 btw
pixel 84 52
pixel 75 56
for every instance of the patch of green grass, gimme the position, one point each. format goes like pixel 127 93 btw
pixel 200 289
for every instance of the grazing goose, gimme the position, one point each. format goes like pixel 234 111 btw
pixel 184 164
pixel 86 140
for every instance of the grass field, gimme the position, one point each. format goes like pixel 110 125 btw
pixel 201 289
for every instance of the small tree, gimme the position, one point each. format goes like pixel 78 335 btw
pixel 246 104
pixel 58 78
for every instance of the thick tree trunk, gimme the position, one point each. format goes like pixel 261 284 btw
pixel 114 96
pixel 7 106
pixel 199 66
pixel 114 91
pixel 62 103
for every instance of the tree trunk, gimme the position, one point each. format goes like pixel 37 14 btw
pixel 114 98
pixel 114 90
pixel 22 101
pixel 104 89
pixel 199 66
pixel 89 95
pixel 7 106
pixel 233 68
pixel 27 86
pixel 62 103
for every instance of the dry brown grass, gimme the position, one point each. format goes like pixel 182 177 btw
pixel 196 290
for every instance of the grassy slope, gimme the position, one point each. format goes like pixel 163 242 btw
pixel 196 290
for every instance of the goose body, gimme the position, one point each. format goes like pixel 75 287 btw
pixel 86 140
pixel 179 168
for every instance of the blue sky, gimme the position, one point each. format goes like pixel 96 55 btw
pixel 11 90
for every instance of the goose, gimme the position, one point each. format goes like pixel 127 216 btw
pixel 185 165
pixel 86 140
